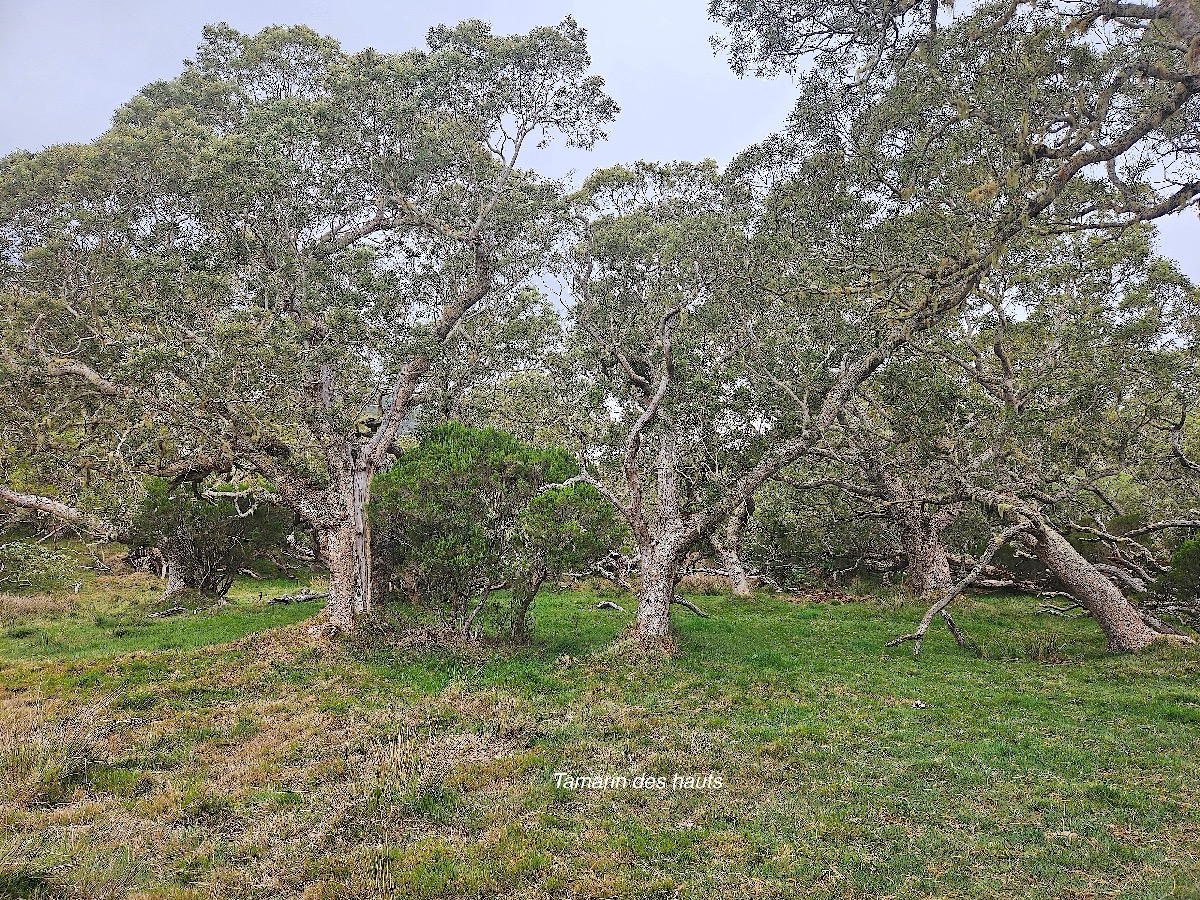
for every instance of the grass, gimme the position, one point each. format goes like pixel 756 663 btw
pixel 226 753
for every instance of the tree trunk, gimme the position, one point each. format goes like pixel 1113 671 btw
pixel 182 569
pixel 523 595
pixel 656 593
pixel 739 581
pixel 1121 623
pixel 728 544
pixel 928 571
pixel 343 551
pixel 361 539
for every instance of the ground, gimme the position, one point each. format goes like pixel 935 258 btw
pixel 226 753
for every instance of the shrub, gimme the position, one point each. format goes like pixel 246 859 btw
pixel 204 542
pixel 1180 584
pixel 470 512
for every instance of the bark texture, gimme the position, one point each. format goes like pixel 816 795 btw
pixel 1122 624
pixel 1116 616
pixel 928 569
pixel 727 544
pixel 343 554
pixel 660 573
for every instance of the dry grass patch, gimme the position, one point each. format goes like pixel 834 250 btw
pixel 16 607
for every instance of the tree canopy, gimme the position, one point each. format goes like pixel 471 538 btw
pixel 930 301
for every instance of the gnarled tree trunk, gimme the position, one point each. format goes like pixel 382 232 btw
pixel 662 547
pixel 659 575
pixel 338 517
pixel 1122 624
pixel 928 570
pixel 346 553
pixel 727 545
pixel 920 526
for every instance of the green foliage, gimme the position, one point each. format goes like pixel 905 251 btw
pixel 468 512
pixel 1182 581
pixel 25 564
pixel 796 535
pixel 210 540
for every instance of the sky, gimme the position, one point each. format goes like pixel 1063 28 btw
pixel 66 65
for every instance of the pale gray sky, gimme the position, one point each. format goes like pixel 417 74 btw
pixel 65 65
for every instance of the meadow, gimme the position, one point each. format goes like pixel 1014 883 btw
pixel 226 752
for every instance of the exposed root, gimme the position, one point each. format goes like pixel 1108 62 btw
pixel 330 629
pixel 1162 627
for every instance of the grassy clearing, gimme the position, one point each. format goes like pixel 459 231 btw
pixel 228 754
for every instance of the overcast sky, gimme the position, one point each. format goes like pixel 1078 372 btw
pixel 65 65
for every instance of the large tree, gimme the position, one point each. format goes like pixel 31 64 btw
pixel 1058 394
pixel 1059 99
pixel 712 347
pixel 253 270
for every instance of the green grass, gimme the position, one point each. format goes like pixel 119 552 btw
pixel 114 616
pixel 218 755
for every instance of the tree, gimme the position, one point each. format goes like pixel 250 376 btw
pixel 976 139
pixel 710 353
pixel 254 269
pixel 653 252
pixel 1052 93
pixel 469 512
pixel 205 537
pixel 1063 382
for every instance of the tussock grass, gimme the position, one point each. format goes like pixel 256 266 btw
pixel 16 607
pixel 230 753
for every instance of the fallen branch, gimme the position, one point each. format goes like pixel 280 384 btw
pixel 612 569
pixel 724 573
pixel 959 637
pixel 1064 611
pixel 608 604
pixel 939 607
pixel 173 611
pixel 299 597
pixel 688 604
